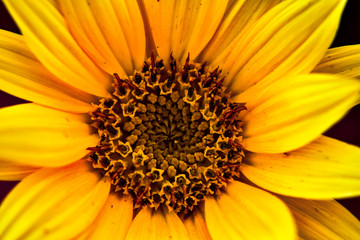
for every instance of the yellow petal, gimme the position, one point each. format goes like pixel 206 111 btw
pixel 183 26
pixel 289 39
pixel 157 224
pixel 293 111
pixel 53 203
pixel 113 220
pixel 322 220
pixel 341 60
pixel 196 226
pixel 22 75
pixel 85 30
pixel 323 169
pixel 47 36
pixel 36 135
pixel 10 171
pixel 239 18
pixel 111 32
pixel 245 212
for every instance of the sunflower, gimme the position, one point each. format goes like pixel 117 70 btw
pixel 161 119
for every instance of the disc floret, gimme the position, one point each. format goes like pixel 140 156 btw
pixel 168 136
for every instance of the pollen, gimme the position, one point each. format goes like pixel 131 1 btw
pixel 168 135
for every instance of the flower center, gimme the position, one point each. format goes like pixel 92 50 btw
pixel 168 136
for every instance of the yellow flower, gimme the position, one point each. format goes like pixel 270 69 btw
pixel 114 147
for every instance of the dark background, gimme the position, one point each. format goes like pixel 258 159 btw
pixel 347 130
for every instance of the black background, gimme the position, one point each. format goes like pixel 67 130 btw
pixel 347 130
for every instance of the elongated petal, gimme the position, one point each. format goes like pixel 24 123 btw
pixel 323 169
pixel 10 171
pixel 22 75
pixel 157 224
pixel 47 36
pixel 341 60
pixel 111 32
pixel 183 26
pixel 84 28
pixel 36 135
pixel 53 203
pixel 294 111
pixel 289 39
pixel 245 212
pixel 113 221
pixel 239 18
pixel 322 220
pixel 196 226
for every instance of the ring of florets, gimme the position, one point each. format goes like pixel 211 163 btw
pixel 168 135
